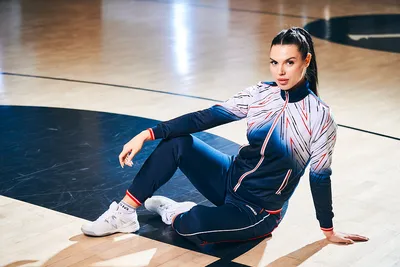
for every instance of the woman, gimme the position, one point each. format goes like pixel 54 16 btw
pixel 288 128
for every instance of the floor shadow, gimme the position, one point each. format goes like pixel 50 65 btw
pixel 87 250
pixel 19 263
pixel 94 251
pixel 299 256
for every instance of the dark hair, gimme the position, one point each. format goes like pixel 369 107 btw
pixel 301 38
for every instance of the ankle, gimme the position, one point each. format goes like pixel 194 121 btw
pixel 130 202
pixel 174 217
pixel 126 207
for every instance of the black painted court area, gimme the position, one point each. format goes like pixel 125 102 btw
pixel 67 160
pixel 373 31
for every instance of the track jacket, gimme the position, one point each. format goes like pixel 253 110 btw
pixel 286 131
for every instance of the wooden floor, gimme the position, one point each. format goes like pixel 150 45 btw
pixel 160 59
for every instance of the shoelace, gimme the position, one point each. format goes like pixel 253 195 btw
pixel 108 214
pixel 109 217
pixel 163 206
pixel 112 220
pixel 167 215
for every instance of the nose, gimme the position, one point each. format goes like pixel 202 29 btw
pixel 282 70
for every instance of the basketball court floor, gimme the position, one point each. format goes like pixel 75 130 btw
pixel 78 79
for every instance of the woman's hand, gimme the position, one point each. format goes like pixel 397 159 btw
pixel 132 148
pixel 343 238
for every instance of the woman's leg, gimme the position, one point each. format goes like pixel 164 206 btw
pixel 231 222
pixel 204 166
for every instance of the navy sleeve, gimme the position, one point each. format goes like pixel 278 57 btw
pixel 193 122
pixel 233 109
pixel 320 171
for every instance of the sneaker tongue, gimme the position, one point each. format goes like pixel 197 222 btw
pixel 114 206
pixel 166 206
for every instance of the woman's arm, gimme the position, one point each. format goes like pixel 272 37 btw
pixel 320 180
pixel 323 142
pixel 233 109
pixel 193 122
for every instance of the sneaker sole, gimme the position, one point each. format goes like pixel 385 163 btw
pixel 126 230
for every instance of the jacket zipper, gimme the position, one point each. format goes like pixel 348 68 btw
pixel 284 183
pixel 264 145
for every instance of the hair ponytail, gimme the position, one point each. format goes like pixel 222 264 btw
pixel 301 38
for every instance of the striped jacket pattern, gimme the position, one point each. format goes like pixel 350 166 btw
pixel 286 132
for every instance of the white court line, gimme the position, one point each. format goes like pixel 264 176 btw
pixel 357 37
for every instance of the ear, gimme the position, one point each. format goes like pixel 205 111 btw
pixel 308 59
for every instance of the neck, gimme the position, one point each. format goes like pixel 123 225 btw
pixel 297 92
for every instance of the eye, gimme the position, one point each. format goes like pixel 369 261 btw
pixel 290 62
pixel 273 62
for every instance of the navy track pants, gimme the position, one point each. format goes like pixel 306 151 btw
pixel 207 169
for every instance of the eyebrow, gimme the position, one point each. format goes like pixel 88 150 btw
pixel 285 60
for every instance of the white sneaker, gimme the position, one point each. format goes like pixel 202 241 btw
pixel 167 208
pixel 114 220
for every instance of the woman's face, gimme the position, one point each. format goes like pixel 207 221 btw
pixel 287 66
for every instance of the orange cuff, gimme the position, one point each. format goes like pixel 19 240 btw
pixel 133 198
pixel 151 134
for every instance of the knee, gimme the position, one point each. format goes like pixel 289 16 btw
pixel 189 225
pixel 183 223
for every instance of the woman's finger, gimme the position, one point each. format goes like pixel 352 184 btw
pixel 122 156
pixel 358 237
pixel 128 162
pixel 121 159
pixel 130 156
pixel 344 240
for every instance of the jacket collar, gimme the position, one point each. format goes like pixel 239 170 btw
pixel 297 93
